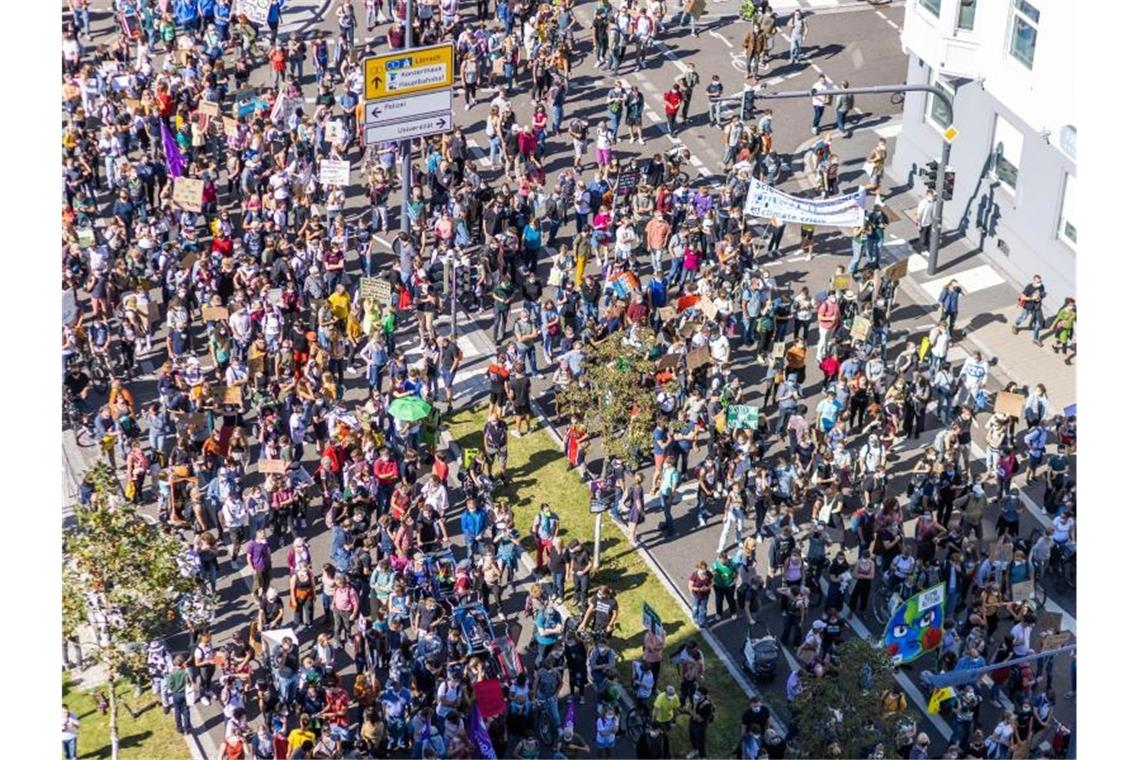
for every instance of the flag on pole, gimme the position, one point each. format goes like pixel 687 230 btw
pixel 479 735
pixel 175 163
pixel 277 113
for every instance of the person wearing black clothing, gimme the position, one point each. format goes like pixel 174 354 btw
pixel 653 744
pixel 757 714
pixel 833 628
pixel 700 716
pixel 775 744
pixel 576 665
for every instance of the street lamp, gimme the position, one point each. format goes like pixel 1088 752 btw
pixel 936 231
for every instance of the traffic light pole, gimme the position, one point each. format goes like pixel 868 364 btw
pixel 406 174
pixel 936 231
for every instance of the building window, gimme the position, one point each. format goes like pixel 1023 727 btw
pixel 966 9
pixel 936 112
pixel 933 6
pixel 1006 153
pixel 1067 230
pixel 1023 32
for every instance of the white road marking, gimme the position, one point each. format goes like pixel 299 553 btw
pixel 972 280
pixel 889 130
pixel 653 115
pixel 722 38
pixel 704 171
pixel 696 160
pixel 649 86
pixel 668 53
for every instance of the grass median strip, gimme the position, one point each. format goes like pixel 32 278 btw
pixel 539 472
pixel 149 736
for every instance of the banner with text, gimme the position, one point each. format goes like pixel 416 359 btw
pixel 765 201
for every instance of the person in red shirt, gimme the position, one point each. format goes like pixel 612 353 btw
pixel 673 99
pixel 277 60
pixel 828 315
pixel 336 713
pixel 387 472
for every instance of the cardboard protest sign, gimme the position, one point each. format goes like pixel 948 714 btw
pixel 666 313
pixel 229 127
pixel 860 328
pixel 1055 640
pixel 334 172
pixel 779 348
pixel 668 361
pixel 1009 404
pixel 698 358
pixel 232 395
pixel 271 466
pixel 215 313
pixel 1021 592
pixel 895 271
pixel 188 193
pixel 376 288
pixel 707 308
pixel 209 108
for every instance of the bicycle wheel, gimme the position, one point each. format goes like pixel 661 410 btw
pixel 634 724
pixel 544 725
pixel 881 604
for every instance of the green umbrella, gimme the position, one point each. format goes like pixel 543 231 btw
pixel 409 409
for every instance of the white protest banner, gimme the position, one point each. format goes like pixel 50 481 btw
pixel 334 172
pixel 257 11
pixel 765 201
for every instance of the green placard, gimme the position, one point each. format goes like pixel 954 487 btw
pixel 743 416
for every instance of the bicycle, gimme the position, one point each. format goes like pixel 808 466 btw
pixel 544 723
pixel 633 717
pixel 1062 561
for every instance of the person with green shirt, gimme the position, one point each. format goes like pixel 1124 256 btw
pixel 724 584
pixel 502 295
pixel 176 686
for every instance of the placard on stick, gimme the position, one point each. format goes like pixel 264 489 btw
pixel 860 328
pixel 1009 403
pixel 779 348
pixel 271 466
pixel 215 313
pixel 229 126
pixel 188 193
pixel 232 395
pixel 666 313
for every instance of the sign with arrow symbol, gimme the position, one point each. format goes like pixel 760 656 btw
pixel 407 129
pixel 406 72
pixel 404 109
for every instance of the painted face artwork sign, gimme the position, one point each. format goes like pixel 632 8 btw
pixel 915 628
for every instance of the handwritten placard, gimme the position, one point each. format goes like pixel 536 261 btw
pixel 666 313
pixel 230 127
pixel 860 328
pixel 1055 640
pixel 232 395
pixel 376 288
pixel 707 308
pixel 334 172
pixel 188 193
pixel 208 107
pixel 271 466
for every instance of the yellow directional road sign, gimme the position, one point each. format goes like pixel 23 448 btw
pixel 409 71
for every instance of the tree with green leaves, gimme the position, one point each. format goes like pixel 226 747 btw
pixel 121 576
pixel 614 398
pixel 839 714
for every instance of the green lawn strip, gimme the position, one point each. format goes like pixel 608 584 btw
pixel 540 473
pixel 150 736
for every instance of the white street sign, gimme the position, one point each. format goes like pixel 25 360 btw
pixel 431 124
pixel 406 108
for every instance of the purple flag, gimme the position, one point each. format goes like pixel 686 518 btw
pixel 478 733
pixel 568 721
pixel 175 163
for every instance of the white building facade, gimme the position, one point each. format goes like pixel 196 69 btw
pixel 1008 66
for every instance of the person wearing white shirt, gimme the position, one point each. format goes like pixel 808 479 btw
pixel 719 349
pixel 973 376
pixel 70 734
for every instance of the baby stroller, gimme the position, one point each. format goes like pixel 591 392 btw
pixel 761 655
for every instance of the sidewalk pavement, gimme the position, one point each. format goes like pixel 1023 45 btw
pixel 988 306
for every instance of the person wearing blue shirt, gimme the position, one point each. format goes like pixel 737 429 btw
pixel 1035 441
pixel 682 445
pixel 474 525
pixel 273 19
pixel 547 629
pixel 827 411
pixel 186 14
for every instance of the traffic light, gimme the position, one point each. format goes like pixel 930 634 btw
pixel 948 185
pixel 929 172
pixel 748 105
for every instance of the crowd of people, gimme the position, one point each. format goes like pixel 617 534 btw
pixel 249 305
